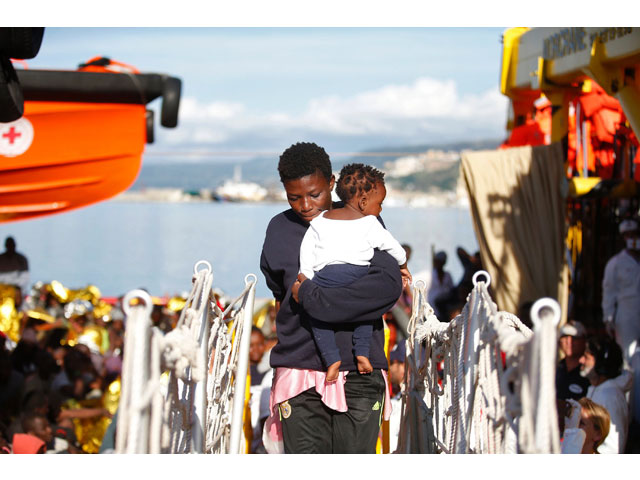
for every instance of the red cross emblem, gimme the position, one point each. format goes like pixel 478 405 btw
pixel 15 137
pixel 11 134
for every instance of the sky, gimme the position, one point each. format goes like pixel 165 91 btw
pixel 261 89
pixel 258 76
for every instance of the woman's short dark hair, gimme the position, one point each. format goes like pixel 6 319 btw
pixel 356 179
pixel 607 355
pixel 304 159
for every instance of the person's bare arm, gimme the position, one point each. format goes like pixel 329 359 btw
pixel 83 413
pixel 406 275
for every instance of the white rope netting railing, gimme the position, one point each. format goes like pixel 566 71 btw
pixel 483 383
pixel 226 387
pixel 184 391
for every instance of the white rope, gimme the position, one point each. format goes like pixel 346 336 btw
pixel 226 373
pixel 132 420
pixel 180 352
pixel 477 405
pixel 539 417
pixel 190 410
pixel 180 349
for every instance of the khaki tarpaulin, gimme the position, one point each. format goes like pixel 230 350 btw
pixel 517 198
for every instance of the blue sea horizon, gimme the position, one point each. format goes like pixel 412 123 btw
pixel 120 246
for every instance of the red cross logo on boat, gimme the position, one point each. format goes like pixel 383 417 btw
pixel 15 137
pixel 11 134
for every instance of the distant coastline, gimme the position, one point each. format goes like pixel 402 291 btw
pixel 428 177
pixel 395 198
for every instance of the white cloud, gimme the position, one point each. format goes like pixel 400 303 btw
pixel 424 111
pixel 190 109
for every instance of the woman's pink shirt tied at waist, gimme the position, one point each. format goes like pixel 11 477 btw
pixel 290 382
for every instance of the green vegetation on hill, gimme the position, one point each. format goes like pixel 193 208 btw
pixel 429 181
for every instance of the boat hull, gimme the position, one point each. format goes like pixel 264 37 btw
pixel 65 155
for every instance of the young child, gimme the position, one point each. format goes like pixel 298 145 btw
pixel 337 248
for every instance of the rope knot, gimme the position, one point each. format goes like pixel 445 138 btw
pixel 180 351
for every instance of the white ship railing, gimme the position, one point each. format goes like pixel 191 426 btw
pixel 482 383
pixel 184 391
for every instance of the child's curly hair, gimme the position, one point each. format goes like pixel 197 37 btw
pixel 356 179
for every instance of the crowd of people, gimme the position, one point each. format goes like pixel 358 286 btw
pixel 58 384
pixel 319 382
pixel 61 355
pixel 603 365
pixel 592 369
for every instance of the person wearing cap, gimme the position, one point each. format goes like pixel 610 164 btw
pixel 621 304
pixel 621 291
pixel 569 382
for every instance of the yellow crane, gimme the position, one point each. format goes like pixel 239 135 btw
pixel 547 73
pixel 556 61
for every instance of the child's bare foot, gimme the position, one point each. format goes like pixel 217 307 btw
pixel 364 366
pixel 332 371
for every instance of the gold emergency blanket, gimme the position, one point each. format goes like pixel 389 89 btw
pixel 517 198
pixel 9 318
pixel 90 431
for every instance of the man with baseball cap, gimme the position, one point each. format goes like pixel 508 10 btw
pixel 569 382
pixel 621 290
pixel 621 304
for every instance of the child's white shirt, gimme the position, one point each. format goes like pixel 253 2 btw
pixel 330 241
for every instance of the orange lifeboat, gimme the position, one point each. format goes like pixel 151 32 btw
pixel 81 137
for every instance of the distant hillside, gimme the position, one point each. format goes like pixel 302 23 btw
pixel 203 175
pixel 381 160
pixel 429 181
pixel 194 176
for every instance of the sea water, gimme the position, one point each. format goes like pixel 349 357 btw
pixel 119 246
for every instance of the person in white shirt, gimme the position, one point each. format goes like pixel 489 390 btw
pixel 601 363
pixel 621 304
pixel 337 248
pixel 621 291
pixel 585 427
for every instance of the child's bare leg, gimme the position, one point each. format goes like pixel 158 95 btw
pixel 332 371
pixel 364 366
